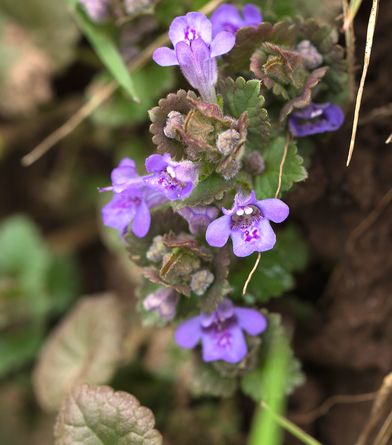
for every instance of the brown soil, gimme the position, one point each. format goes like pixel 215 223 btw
pixel 347 212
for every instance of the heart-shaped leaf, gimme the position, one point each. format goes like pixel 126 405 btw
pixel 97 415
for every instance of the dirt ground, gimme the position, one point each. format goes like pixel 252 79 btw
pixel 346 214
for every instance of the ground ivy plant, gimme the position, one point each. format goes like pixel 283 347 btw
pixel 209 201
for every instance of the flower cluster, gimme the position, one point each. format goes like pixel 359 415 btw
pixel 134 195
pixel 217 153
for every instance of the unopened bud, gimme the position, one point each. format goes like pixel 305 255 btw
pixel 174 121
pixel 254 163
pixel 201 281
pixel 312 58
pixel 227 141
pixel 157 250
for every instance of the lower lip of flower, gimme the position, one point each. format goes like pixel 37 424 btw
pixel 244 218
pixel 168 180
pixel 130 201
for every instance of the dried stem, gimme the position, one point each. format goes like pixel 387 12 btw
pixel 251 273
pixel 329 403
pixel 368 50
pixel 281 165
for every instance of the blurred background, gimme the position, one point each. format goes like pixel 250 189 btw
pixel 53 249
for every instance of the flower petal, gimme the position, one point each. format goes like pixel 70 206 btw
pixel 142 221
pixel 201 24
pixel 119 212
pixel 218 231
pixel 228 345
pixel 165 56
pixel 155 163
pixel 257 238
pixel 178 29
pixel 252 15
pixel 188 333
pixel 222 43
pixel 250 320
pixel 226 17
pixel 274 209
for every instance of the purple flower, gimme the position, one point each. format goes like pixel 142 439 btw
pixel 163 301
pixel 97 10
pixel 228 18
pixel 131 201
pixel 221 333
pixel 248 224
pixel 195 51
pixel 175 180
pixel 315 119
pixel 198 217
pixel 123 177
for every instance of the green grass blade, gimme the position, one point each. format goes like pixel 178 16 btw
pixel 101 38
pixel 265 429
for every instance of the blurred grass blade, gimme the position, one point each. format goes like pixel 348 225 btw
pixel 352 12
pixel 101 39
pixel 265 430
pixel 268 420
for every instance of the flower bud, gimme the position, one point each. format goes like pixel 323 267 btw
pixel 157 250
pixel 174 120
pixel 254 163
pixel 227 141
pixel 201 281
pixel 312 58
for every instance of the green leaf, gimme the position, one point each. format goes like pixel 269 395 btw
pixel 24 266
pixel 62 283
pixel 293 170
pixel 274 275
pixel 85 347
pixel 19 347
pixel 100 416
pixel 119 111
pixel 101 38
pixel 240 96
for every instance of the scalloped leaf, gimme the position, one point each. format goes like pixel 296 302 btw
pixel 84 348
pixel 98 415
pixel 206 381
pixel 293 169
pixel 244 96
pixel 158 116
pixel 249 38
pixel 305 97
pixel 279 373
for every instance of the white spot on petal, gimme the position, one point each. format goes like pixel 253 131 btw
pixel 171 171
pixel 248 210
pixel 316 113
pixel 240 212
